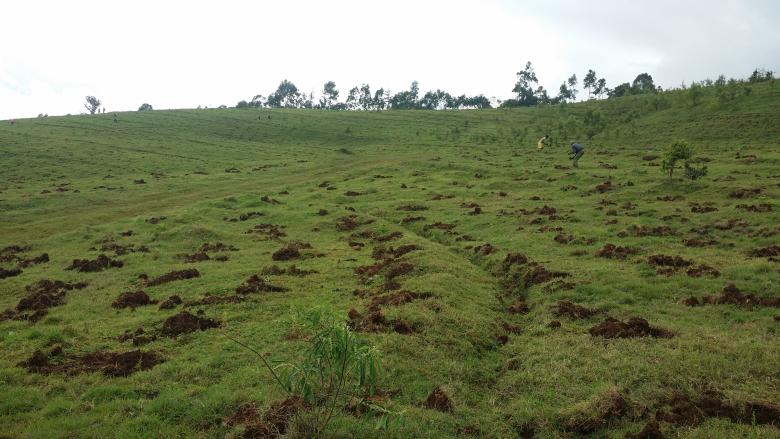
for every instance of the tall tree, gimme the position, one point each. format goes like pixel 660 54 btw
pixel 601 87
pixel 564 94
pixel 366 99
pixel 572 81
pixel 330 95
pixel 353 99
pixel 286 95
pixel 380 99
pixel 92 104
pixel 524 87
pixel 590 81
pixel 643 83
pixel 406 100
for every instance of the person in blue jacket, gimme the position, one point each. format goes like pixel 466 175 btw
pixel 576 152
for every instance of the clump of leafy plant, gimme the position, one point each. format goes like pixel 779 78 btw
pixel 681 151
pixel 338 369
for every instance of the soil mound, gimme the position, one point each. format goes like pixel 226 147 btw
pixel 9 273
pixel 538 275
pixel 275 270
pixel 731 295
pixel 273 423
pixel 635 230
pixel 286 253
pixel 102 262
pixel 760 208
pixel 256 284
pixel 131 299
pixel 185 322
pixel 439 400
pixel 635 327
pixel 612 251
pixel 350 222
pixel 41 296
pixel 565 308
pixel 772 250
pixel 115 364
pixel 412 208
pixel 668 261
pixel 196 257
pixel 171 302
pixel 744 193
pixel 271 231
pixel 189 273
pixel 597 413
pixel 390 252
pixel 513 259
pixel 681 410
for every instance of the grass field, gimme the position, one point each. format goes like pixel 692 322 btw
pixel 467 188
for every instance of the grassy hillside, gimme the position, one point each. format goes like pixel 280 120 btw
pixel 503 234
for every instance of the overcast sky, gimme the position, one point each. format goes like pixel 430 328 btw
pixel 181 54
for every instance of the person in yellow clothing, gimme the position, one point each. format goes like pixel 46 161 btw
pixel 542 142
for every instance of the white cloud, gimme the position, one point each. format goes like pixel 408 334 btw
pixel 177 53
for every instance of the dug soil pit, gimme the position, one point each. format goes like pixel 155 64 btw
pixel 612 251
pixel 760 208
pixel 699 208
pixel 256 284
pixel 189 273
pixel 390 252
pixel 635 327
pixel 115 364
pixel 702 270
pixel 9 273
pixel 272 232
pixel 598 412
pixel 412 208
pixel 102 262
pixel 350 222
pixel 196 257
pixel 538 275
pixel 411 219
pixel 275 270
pixel 565 308
pixel 439 400
pixel 138 337
pixel 131 299
pixel 185 322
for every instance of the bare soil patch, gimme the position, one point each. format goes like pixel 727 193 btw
pixel 256 284
pixel 131 299
pixel 171 302
pixel 102 262
pixel 611 251
pixel 41 296
pixel 271 231
pixel 635 327
pixel 745 193
pixel 185 322
pixel 172 276
pixel 115 364
pixel 565 308
pixel 439 400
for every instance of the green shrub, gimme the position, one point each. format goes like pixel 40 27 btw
pixel 679 150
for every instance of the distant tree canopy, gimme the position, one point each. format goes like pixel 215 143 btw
pixel 145 107
pixel 527 92
pixel 92 104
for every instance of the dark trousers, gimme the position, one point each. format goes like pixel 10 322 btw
pixel 576 157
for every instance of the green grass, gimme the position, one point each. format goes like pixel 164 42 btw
pixel 183 156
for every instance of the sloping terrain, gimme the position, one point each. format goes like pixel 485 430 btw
pixel 539 299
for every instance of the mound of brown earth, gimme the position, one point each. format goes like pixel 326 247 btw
pixel 131 299
pixel 597 413
pixel 635 230
pixel 442 197
pixel 171 302
pixel 286 253
pixel 41 296
pixel 699 208
pixel 696 242
pixel 484 249
pixel 275 270
pixel 185 322
pixel 731 295
pixel 350 222
pixel 390 252
pixel 681 410
pixel 412 219
pixel 668 261
pixel 115 364
pixel 273 423
pixel 412 207
pixel 612 251
pixel 439 226
pixel 271 231
pixel 9 273
pixel 249 215
pixel 102 262
pixel 139 337
pixel 538 275
pixel 772 250
pixel 189 273
pixel 439 400
pixel 761 208
pixel 353 193
pixel 196 257
pixel 745 193
pixel 216 300
pixel 256 284
pixel 513 259
pixel 518 307
pixel 702 270
pixel 635 327
pixel 120 250
pixel 267 199
pixel 669 198
pixel 26 262
pixel 604 187
pixel 393 299
pixel 565 308
pixel 155 220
